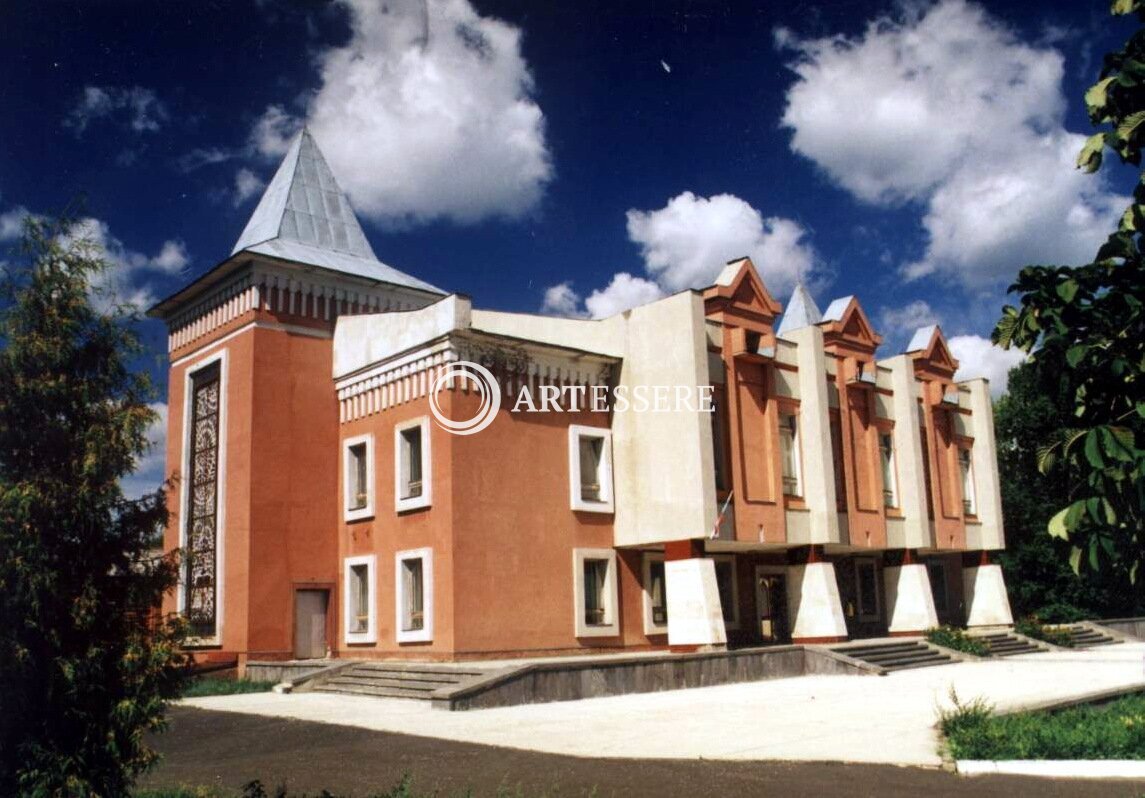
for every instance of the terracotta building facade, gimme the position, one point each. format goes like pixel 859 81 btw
pixel 793 487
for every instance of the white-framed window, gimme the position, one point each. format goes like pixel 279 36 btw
pixel 595 600
pixel 965 467
pixel 590 469
pixel 413 595
pixel 890 474
pixel 790 454
pixel 359 599
pixel 728 587
pixel 358 477
pixel 655 594
pixel 413 465
pixel 867 589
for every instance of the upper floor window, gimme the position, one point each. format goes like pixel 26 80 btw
pixel 789 454
pixel 965 467
pixel 890 477
pixel 590 469
pixel 412 466
pixel 358 477
pixel 719 450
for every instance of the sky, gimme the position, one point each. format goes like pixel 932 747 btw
pixel 579 158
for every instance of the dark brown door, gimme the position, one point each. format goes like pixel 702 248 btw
pixel 771 606
pixel 310 623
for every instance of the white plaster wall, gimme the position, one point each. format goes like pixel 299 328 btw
pixel 984 461
pixel 360 341
pixel 910 602
pixel 694 613
pixel 916 528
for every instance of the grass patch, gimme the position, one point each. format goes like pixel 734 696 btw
pixel 958 640
pixel 206 685
pixel 1108 731
pixel 1032 627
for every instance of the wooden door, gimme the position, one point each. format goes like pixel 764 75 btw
pixel 310 623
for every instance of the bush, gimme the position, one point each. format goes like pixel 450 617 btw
pixel 958 640
pixel 1112 731
pixel 1033 627
pixel 207 686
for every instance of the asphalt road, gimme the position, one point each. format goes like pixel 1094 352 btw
pixel 226 750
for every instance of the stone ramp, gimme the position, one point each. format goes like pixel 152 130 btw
pixel 896 655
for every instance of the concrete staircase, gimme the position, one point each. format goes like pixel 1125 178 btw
pixel 1087 637
pixel 1005 644
pixel 397 680
pixel 896 656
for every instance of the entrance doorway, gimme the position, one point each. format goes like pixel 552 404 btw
pixel 771 604
pixel 310 608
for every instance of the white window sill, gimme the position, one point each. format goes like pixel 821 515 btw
pixel 415 636
pixel 359 638
pixel 412 503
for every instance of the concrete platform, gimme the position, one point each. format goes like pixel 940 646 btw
pixel 810 718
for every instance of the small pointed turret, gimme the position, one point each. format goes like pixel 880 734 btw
pixel 801 311
pixel 305 217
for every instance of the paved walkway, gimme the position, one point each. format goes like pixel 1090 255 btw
pixel 811 718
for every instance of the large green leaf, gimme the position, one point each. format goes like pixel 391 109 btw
pixel 1095 99
pixel 1090 156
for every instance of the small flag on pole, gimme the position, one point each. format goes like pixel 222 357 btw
pixel 720 518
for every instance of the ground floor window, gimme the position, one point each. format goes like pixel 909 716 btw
pixel 655 594
pixel 413 581
pixel 595 593
pixel 867 589
pixel 359 599
pixel 728 587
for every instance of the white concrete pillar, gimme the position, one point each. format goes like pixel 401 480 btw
pixel 908 456
pixel 819 487
pixel 695 617
pixel 910 603
pixel 813 603
pixel 988 533
pixel 984 592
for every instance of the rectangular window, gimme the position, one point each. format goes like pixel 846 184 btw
pixel 936 571
pixel 837 459
pixel 655 594
pixel 719 450
pixel 200 576
pixel 890 477
pixel 590 469
pixel 728 587
pixel 358 477
pixel 413 580
pixel 359 594
pixel 413 471
pixel 867 589
pixel 789 454
pixel 969 500
pixel 595 593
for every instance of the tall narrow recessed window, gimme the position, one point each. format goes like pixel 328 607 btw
pixel 590 469
pixel 719 451
pixel 867 589
pixel 728 589
pixel 936 571
pixel 358 477
pixel 969 500
pixel 595 592
pixel 789 454
pixel 412 466
pixel 359 599
pixel 413 582
pixel 890 477
pixel 200 577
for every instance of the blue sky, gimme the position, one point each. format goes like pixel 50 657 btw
pixel 578 158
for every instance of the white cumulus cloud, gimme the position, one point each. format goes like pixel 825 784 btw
pixel 247 184
pixel 562 300
pixel 427 112
pixel 132 107
pixel 622 293
pixel 978 357
pixel 150 468
pixel 905 320
pixel 127 280
pixel 946 107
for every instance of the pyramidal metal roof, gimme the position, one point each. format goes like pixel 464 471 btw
pixel 921 338
pixel 801 311
pixel 305 217
pixel 835 310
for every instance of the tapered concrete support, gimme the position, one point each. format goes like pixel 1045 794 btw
pixel 910 603
pixel 694 614
pixel 814 605
pixel 984 591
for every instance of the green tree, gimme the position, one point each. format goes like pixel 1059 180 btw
pixel 86 664
pixel 1087 321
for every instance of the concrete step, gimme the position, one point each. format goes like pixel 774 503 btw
pixel 942 659
pixel 379 692
pixel 1084 637
pixel 420 667
pixel 859 652
pixel 896 664
pixel 405 676
pixel 402 684
pixel 896 656
pixel 893 655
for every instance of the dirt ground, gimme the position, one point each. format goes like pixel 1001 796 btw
pixel 226 750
